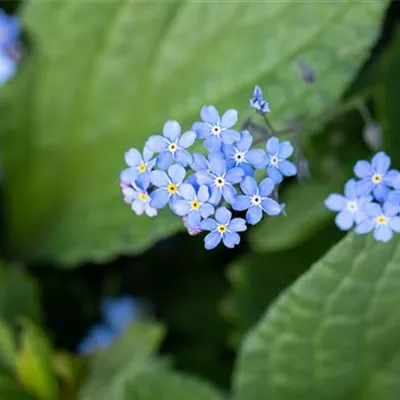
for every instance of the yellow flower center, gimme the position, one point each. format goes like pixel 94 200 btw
pixel 221 228
pixel 377 178
pixel 172 188
pixel 142 167
pixel 195 205
pixel 172 147
pixel 381 220
pixel 143 196
pixel 219 182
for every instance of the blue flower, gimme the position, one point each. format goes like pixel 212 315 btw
pixel 275 160
pixel 222 228
pixel 136 194
pixel 376 176
pixel 220 179
pixel 195 207
pixel 120 312
pixel 216 130
pixel 255 199
pixel 138 164
pixel 394 197
pixel 351 206
pixel 258 102
pixel 168 185
pixel 240 155
pixel 382 220
pixel 172 146
pixel 99 337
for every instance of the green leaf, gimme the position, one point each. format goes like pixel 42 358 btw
pixel 35 368
pixel 151 385
pixel 129 355
pixel 11 390
pixel 19 295
pixel 334 334
pixel 8 347
pixel 102 77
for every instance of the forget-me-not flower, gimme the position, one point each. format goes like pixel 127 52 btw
pixel 276 160
pixel 222 228
pixel 382 220
pixel 192 205
pixel 138 164
pixel 351 206
pixel 220 179
pixel 168 185
pixel 258 102
pixel 241 155
pixel 98 337
pixel 255 199
pixel 376 176
pixel 172 146
pixel 215 129
pixel 136 194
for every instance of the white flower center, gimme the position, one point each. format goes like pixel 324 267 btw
pixel 219 181
pixel 216 130
pixel 352 206
pixel 274 160
pixel 256 200
pixel 173 147
pixel 239 157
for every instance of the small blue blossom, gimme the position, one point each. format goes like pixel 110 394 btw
pixel 381 220
pixel 376 178
pixel 193 205
pixel 99 337
pixel 220 179
pixel 222 228
pixel 118 313
pixel 136 194
pixel 276 160
pixel 258 102
pixel 172 146
pixel 168 185
pixel 255 199
pixel 240 154
pixel 351 206
pixel 216 130
pixel 137 164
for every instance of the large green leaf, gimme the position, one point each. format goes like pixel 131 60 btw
pixel 102 76
pixel 334 334
pixel 11 390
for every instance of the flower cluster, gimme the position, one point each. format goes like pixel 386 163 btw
pixel 9 46
pixel 201 187
pixel 371 203
pixel 117 315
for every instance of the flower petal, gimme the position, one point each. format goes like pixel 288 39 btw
pixel 206 210
pixel 253 215
pixel 390 209
pixel 209 114
pixel 203 193
pixel 271 207
pixel 229 119
pixel 274 174
pixel 287 168
pixel 165 159
pixel 177 173
pixel 266 187
pixel 187 191
pixel 223 215
pixel 229 193
pixel 172 130
pixel 273 145
pixel 159 198
pixel 199 162
pixel 335 202
pixel 184 157
pixel 373 210
pixel 249 186
pixel 380 162
pixel 231 239
pixel 212 240
pixel 216 196
pixel 230 136
pixel 181 207
pixel 255 156
pixel 156 143
pixel 247 169
pixel 285 149
pixel 246 139
pixel 208 224
pixel 218 166
pixel 351 189
pixel 380 193
pixel 129 175
pixel 133 157
pixel 187 139
pixel 194 219
pixel 237 225
pixel 234 175
pixel 138 207
pixel 159 178
pixel 365 187
pixel 204 178
pixel 366 226
pixel 150 211
pixel 212 143
pixel 363 169
pixel 394 223
pixel 344 220
pixel 202 129
pixel 241 203
pixel 147 154
pixel 383 233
